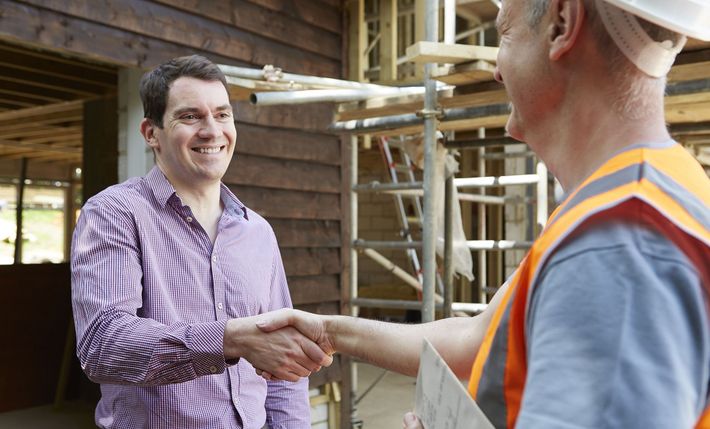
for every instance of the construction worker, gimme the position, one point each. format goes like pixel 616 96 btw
pixel 606 322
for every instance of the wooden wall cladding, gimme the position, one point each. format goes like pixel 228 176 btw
pixel 145 33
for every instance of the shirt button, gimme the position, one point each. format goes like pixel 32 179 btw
pixel 189 219
pixel 213 369
pixel 214 258
pixel 219 305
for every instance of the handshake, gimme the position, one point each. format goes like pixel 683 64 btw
pixel 282 345
pixel 290 344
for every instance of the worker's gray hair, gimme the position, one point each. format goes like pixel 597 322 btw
pixel 637 90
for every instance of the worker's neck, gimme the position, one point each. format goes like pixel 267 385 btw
pixel 590 132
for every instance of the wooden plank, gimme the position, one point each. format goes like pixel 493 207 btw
pixel 172 25
pixel 466 74
pixel 287 144
pixel 285 204
pixel 396 106
pixel 434 52
pixel 265 22
pixel 496 121
pixel 357 40
pixel 313 289
pixel 42 111
pixel 691 65
pixel 32 78
pixel 314 117
pixel 40 148
pixel 57 67
pixel 311 262
pixel 311 12
pixel 283 174
pixel 388 40
pixel 306 232
pixel 34 26
pixel 695 112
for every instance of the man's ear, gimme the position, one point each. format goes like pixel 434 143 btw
pixel 148 129
pixel 565 26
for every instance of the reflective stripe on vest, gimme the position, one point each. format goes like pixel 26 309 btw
pixel 664 188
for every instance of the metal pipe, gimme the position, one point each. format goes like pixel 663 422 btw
pixel 508 155
pixel 482 182
pixel 460 183
pixel 368 244
pixel 431 23
pixel 480 142
pixel 497 244
pixel 387 187
pixel 353 224
pixel 272 98
pixel 448 245
pixel 259 74
pixel 466 307
pixel 449 21
pixel 363 126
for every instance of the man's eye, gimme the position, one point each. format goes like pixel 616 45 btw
pixel 189 117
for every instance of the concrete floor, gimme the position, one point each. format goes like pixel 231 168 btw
pixel 381 408
pixel 384 406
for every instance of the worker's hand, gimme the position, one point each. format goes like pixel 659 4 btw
pixel 310 325
pixel 411 421
pixel 284 354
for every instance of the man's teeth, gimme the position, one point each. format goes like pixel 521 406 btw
pixel 209 149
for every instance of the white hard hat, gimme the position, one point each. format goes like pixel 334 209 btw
pixel 688 17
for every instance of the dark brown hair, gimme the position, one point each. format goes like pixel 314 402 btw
pixel 155 85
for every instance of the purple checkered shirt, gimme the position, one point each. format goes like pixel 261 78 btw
pixel 151 298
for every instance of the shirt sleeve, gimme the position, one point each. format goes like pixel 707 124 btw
pixel 287 404
pixel 618 336
pixel 114 345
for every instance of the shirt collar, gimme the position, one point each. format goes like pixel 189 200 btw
pixel 164 191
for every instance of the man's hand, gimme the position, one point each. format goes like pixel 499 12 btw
pixel 411 421
pixel 285 353
pixel 310 325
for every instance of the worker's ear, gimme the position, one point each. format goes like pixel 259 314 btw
pixel 566 22
pixel 148 129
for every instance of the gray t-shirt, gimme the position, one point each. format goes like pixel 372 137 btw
pixel 618 335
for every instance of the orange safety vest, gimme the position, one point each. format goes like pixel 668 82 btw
pixel 642 185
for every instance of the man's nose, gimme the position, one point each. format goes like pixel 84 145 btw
pixel 209 128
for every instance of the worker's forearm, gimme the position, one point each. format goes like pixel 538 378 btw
pixel 388 345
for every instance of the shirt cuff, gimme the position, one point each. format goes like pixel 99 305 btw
pixel 206 343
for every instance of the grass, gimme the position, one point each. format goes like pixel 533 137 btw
pixel 43 236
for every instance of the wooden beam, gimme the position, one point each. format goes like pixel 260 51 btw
pixel 428 52
pixel 40 147
pixel 55 66
pixel 388 40
pixel 387 106
pixel 357 40
pixel 467 73
pixel 175 26
pixel 24 114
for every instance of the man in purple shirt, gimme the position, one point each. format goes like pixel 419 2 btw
pixel 170 273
